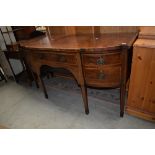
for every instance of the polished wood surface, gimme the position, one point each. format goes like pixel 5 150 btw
pixel 141 97
pixel 99 61
pixel 72 43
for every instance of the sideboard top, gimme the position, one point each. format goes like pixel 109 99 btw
pixel 76 42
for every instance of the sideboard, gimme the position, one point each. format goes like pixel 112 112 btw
pixel 97 61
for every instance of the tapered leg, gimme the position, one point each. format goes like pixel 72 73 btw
pixel 43 86
pixel 124 69
pixel 35 79
pixel 122 100
pixel 85 99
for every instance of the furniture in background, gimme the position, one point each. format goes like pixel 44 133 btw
pixel 11 35
pixel 23 32
pixel 2 76
pixel 11 51
pixel 95 59
pixel 141 96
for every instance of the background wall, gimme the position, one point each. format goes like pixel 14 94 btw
pixel 118 29
pixel 72 30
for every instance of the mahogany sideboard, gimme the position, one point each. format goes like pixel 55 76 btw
pixel 94 61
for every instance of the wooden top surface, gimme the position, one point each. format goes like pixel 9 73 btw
pixel 147 32
pixel 148 43
pixel 76 42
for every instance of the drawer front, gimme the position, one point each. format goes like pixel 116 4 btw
pixel 58 58
pixel 107 77
pixel 101 59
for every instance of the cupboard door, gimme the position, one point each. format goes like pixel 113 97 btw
pixel 141 97
pixel 149 98
pixel 139 76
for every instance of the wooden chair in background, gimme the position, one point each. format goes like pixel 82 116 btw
pixel 2 75
pixel 11 36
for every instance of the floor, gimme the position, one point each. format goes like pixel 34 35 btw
pixel 25 107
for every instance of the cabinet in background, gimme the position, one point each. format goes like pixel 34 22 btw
pixel 141 97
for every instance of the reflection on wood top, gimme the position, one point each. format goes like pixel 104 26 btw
pixel 76 42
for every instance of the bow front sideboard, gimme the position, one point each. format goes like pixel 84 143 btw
pixel 99 62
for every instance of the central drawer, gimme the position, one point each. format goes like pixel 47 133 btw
pixel 93 60
pixel 57 58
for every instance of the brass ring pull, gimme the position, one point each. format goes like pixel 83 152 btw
pixel 100 61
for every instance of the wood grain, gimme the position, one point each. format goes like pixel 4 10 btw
pixel 72 43
pixel 141 97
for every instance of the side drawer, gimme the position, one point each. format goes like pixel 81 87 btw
pixel 107 77
pixel 101 59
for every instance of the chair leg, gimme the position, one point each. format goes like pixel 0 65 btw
pixel 2 76
pixel 15 78
pixel 85 99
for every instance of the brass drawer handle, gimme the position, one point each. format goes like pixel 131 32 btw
pixel 101 76
pixel 100 61
pixel 62 58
